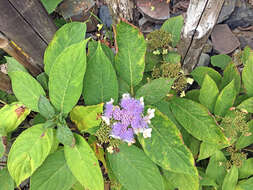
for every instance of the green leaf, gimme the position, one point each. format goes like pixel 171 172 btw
pixel 231 73
pixel 155 90
pixel 208 89
pixel 243 140
pixel 200 72
pixel 196 119
pixel 246 169
pixel 172 57
pixel 239 99
pixel 221 61
pixel 129 60
pixel 193 95
pixel 53 174
pixel 45 108
pixel 100 81
pixel 225 100
pixel 6 181
pixel 170 154
pixel 246 53
pixel 29 151
pixel 66 77
pixel 86 117
pixel 247 105
pixel 231 179
pixel 11 116
pixel 182 181
pixel 26 89
pixel 174 26
pixel 151 61
pixel 84 165
pixel 123 87
pixel 50 5
pixel 14 65
pixel 66 36
pixel 65 135
pixel 207 150
pixel 2 146
pixel 245 184
pixel 42 78
pixel 134 170
pixel 216 168
pixel 247 76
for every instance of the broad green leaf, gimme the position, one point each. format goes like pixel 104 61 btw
pixel 216 168
pixel 6 181
pixel 53 174
pixel 14 65
pixel 50 5
pixel 84 165
pixel 200 72
pixel 205 180
pixel 26 89
pixel 77 186
pixel 11 116
pixel 207 150
pixel 247 76
pixel 239 99
pixel 230 179
pixel 134 170
pixel 193 95
pixel 208 93
pixel 245 184
pixel 66 77
pixel 181 181
pixel 172 57
pixel 2 146
pixel 155 90
pixel 196 119
pixel 86 117
pixel 246 53
pixel 129 60
pixel 29 151
pixel 42 78
pixel 64 135
pixel 170 154
pixel 221 61
pixel 123 87
pixel 174 26
pixel 225 99
pixel 243 140
pixel 231 73
pixel 66 36
pixel 45 108
pixel 151 61
pixel 108 51
pixel 247 105
pixel 100 81
pixel 246 169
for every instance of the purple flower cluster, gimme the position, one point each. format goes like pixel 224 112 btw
pixel 127 119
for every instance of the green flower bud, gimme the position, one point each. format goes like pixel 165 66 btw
pixel 11 116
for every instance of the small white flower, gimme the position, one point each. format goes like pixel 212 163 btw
pixel 126 96
pixel 138 130
pixel 142 101
pixel 110 149
pixel 147 132
pixel 189 80
pixel 151 113
pixel 182 94
pixel 106 120
pixel 111 101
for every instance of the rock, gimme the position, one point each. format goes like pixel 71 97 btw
pixel 105 16
pixel 242 15
pixel 245 38
pixel 155 11
pixel 79 10
pixel 204 60
pixel 227 10
pixel 224 41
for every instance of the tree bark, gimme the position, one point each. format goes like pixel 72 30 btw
pixel 201 18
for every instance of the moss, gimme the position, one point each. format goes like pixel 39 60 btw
pixel 159 40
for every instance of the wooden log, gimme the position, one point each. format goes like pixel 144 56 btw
pixel 18 22
pixel 5 83
pixel 200 20
pixel 16 53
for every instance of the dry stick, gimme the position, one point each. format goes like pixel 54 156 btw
pixel 19 55
pixel 201 18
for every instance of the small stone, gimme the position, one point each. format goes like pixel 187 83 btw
pixel 105 16
pixel 227 10
pixel 204 60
